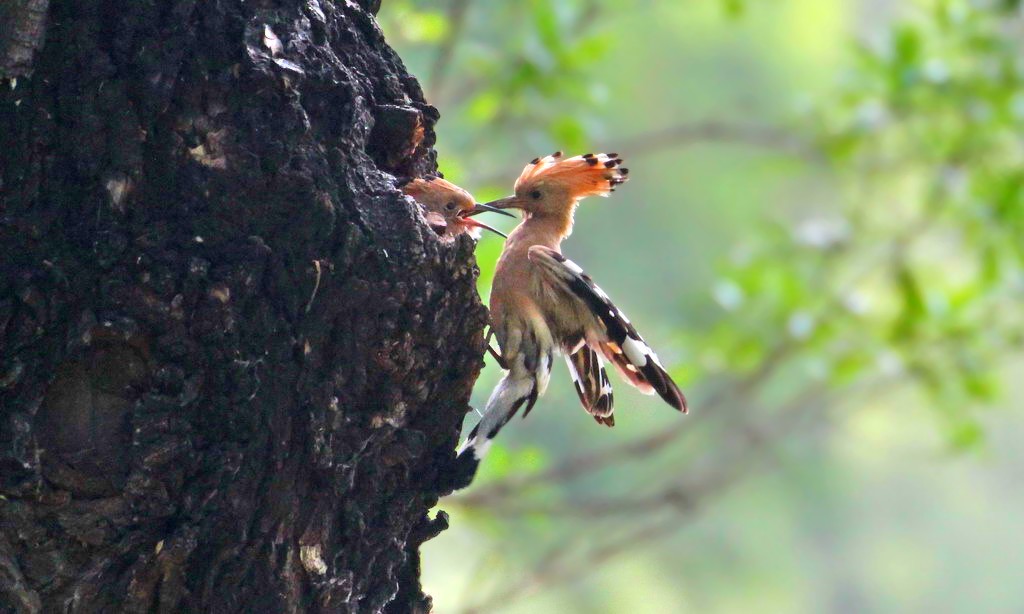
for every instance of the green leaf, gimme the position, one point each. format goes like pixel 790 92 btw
pixel 966 435
pixel 913 309
pixel 484 106
pixel 425 27
pixel 569 132
pixel 545 21
pixel 734 8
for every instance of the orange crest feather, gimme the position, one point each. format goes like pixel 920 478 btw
pixel 586 175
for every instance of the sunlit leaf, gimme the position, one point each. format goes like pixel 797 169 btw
pixel 569 132
pixel 966 435
pixel 425 27
pixel 734 8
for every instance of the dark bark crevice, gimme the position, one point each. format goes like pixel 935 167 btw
pixel 233 359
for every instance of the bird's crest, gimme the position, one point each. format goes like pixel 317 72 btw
pixel 586 175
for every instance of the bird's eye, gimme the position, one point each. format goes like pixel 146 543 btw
pixel 450 206
pixel 535 195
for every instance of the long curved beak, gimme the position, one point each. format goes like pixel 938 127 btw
pixel 509 202
pixel 467 216
pixel 478 209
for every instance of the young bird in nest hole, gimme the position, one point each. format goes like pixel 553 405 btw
pixel 449 209
pixel 543 304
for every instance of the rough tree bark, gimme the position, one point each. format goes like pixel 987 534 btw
pixel 233 359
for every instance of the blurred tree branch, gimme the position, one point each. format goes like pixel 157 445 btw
pixel 774 139
pixel 678 502
pixel 557 568
pixel 726 132
pixel 740 446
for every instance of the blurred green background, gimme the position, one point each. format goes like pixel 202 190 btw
pixel 822 236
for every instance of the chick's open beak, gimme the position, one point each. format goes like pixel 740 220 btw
pixel 467 217
pixel 468 221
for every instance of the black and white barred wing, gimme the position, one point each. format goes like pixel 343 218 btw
pixel 592 385
pixel 619 341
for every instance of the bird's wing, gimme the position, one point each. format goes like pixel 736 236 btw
pixel 591 380
pixel 620 343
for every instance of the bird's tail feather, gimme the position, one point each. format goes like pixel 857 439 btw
pixel 509 396
pixel 592 385
pixel 635 360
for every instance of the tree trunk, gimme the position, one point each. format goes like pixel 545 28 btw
pixel 233 359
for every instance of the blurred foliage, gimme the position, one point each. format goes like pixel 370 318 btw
pixel 542 80
pixel 918 273
pixel 876 255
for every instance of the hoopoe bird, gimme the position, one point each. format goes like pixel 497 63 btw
pixel 449 209
pixel 543 304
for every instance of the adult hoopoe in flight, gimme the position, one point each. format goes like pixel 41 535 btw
pixel 449 209
pixel 543 304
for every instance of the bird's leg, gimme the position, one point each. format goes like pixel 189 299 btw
pixel 494 353
pixel 497 357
